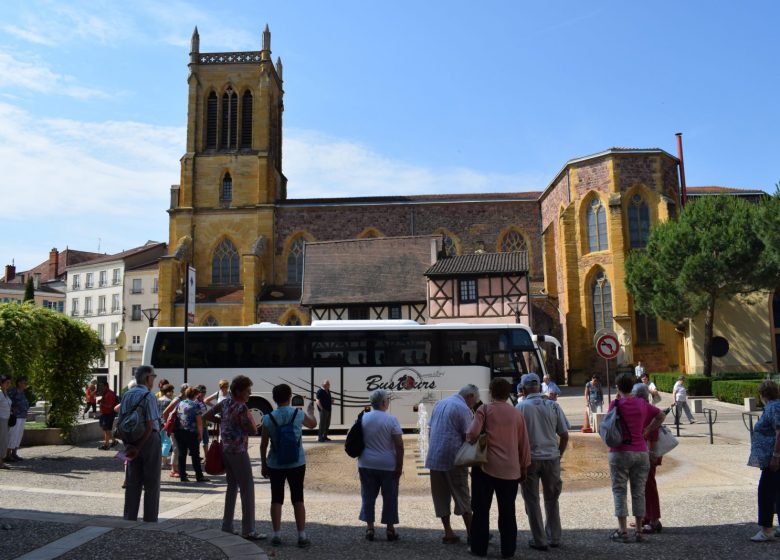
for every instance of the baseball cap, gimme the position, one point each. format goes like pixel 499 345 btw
pixel 529 379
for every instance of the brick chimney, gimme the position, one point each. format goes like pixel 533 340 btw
pixel 10 272
pixel 54 263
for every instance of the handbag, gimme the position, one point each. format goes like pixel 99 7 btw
pixel 215 463
pixel 612 428
pixel 355 444
pixel 666 441
pixel 12 420
pixel 471 454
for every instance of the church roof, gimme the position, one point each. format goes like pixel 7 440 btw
pixel 366 271
pixel 412 199
pixel 482 264
pixel 696 191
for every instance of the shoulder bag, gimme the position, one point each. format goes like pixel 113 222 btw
pixel 471 454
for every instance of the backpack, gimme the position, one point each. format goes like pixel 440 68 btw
pixel 287 443
pixel 354 444
pixel 612 428
pixel 131 426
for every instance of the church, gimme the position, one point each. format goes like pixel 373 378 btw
pixel 232 220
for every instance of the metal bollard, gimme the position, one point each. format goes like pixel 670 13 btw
pixel 710 420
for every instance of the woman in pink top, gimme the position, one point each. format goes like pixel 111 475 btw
pixel 630 461
pixel 508 457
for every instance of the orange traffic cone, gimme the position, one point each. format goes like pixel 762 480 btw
pixel 586 429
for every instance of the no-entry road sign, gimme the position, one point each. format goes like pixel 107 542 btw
pixel 607 346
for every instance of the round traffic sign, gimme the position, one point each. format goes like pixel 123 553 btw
pixel 607 346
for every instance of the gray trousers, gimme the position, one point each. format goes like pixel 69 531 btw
pixel 682 406
pixel 238 471
pixel 324 424
pixel 548 472
pixel 625 467
pixel 143 473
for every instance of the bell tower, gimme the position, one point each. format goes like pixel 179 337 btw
pixel 221 213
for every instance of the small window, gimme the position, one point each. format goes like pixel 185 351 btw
pixel 136 313
pixel 468 291
pixel 155 285
pixel 76 282
pixel 513 241
pixel 358 313
pixel 602 301
pixel 101 305
pixel 103 278
pixel 646 328
pixel 246 120
pixel 224 264
pixel 211 121
pixel 116 278
pixel 74 307
pixel 226 194
pixel 115 308
pixel 114 332
pixel 638 222
pixel 88 306
pixel 293 321
pixel 211 321
pixel 295 262
pixel 136 339
pixel 89 283
pixel 137 286
pixel 395 311
pixel 229 119
pixel 101 331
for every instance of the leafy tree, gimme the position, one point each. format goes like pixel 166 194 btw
pixel 29 290
pixel 54 352
pixel 769 227
pixel 714 250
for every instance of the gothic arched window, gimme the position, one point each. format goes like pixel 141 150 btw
pixel 295 262
pixel 597 226
pixel 226 193
pixel 638 222
pixel 211 322
pixel 229 119
pixel 246 120
pixel 513 241
pixel 224 264
pixel 602 301
pixel 211 121
pixel 293 320
pixel 448 246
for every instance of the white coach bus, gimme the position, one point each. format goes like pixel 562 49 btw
pixel 418 363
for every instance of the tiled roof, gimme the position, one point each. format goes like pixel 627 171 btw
pixel 481 264
pixel 16 286
pixel 366 271
pixel 124 254
pixel 411 199
pixel 280 293
pixel 65 258
pixel 722 190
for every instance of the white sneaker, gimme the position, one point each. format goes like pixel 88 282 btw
pixel 761 536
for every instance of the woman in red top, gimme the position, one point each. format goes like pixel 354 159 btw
pixel 508 457
pixel 631 461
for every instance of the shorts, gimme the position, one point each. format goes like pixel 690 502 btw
pixel 294 478
pixel 453 484
pixel 106 421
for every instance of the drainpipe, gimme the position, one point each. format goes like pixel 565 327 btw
pixel 683 190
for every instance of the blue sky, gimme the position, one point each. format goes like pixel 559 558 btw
pixel 387 97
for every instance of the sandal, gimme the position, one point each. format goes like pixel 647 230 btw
pixel 619 536
pixel 369 534
pixel 392 535
pixel 639 537
pixel 452 539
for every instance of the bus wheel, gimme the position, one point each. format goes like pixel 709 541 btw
pixel 258 406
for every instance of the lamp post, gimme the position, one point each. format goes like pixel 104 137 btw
pixel 151 314
pixel 515 307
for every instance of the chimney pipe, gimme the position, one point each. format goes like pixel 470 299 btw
pixel 54 264
pixel 683 189
pixel 10 272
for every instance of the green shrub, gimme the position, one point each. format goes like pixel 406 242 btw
pixel 740 375
pixel 735 391
pixel 697 385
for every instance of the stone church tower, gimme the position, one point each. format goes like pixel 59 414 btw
pixel 222 212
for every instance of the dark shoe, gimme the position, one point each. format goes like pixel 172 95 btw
pixel 103 447
pixel 255 536
pixel 202 479
pixel 276 541
pixel 184 479
pixel 392 535
pixel 555 544
pixel 303 542
pixel 16 457
pixel 369 534
pixel 532 544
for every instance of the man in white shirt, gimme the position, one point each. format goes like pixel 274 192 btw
pixel 639 370
pixel 680 394
pixel 655 396
pixel 548 435
pixel 550 388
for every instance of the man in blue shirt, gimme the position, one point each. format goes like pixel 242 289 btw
pixel 143 468
pixel 450 420
pixel 550 388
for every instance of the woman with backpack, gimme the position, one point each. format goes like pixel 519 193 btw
pixel 286 461
pixel 631 461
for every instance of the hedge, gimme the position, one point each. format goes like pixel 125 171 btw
pixel 741 375
pixel 735 391
pixel 697 385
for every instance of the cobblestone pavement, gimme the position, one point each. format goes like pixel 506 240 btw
pixel 708 500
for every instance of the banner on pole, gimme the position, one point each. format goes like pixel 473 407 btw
pixel 191 292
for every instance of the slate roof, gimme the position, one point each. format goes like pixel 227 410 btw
pixel 18 287
pixel 125 254
pixel 412 199
pixel 367 271
pixel 694 191
pixel 481 264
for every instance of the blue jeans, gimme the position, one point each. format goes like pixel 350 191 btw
pixel 371 482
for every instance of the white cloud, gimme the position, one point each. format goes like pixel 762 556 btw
pixel 34 75
pixel 320 166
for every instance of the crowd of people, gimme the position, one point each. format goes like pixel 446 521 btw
pixel 525 443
